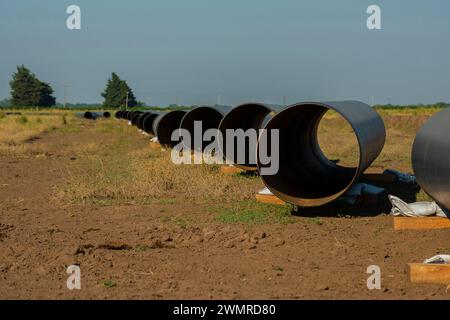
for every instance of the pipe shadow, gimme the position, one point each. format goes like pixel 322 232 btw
pixel 365 207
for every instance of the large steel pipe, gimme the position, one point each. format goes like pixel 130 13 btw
pixel 305 176
pixel 141 119
pixel 125 114
pixel 253 116
pixel 118 114
pixel 135 118
pixel 430 157
pixel 209 117
pixel 93 114
pixel 147 122
pixel 131 114
pixel 165 124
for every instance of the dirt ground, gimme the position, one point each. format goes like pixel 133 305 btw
pixel 179 249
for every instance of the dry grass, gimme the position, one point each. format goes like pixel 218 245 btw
pixel 16 131
pixel 122 172
pixel 127 170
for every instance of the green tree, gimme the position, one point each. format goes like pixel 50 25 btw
pixel 115 93
pixel 27 90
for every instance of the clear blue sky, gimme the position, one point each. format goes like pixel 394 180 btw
pixel 242 49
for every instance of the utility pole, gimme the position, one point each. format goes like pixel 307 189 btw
pixel 65 86
pixel 126 102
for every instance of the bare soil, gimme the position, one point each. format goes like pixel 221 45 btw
pixel 135 251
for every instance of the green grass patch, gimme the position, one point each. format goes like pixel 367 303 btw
pixel 315 220
pixel 109 284
pixel 252 212
pixel 277 268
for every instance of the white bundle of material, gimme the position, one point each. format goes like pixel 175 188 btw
pixel 416 209
pixel 440 258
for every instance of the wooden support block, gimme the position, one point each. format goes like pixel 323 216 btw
pixel 429 273
pixel 230 170
pixel 411 223
pixel 269 198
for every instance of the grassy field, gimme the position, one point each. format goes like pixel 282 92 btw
pixel 16 131
pixel 100 195
pixel 114 171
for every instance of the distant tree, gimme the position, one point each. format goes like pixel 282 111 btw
pixel 5 103
pixel 45 95
pixel 27 90
pixel 115 93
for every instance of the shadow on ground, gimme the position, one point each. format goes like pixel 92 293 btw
pixel 406 192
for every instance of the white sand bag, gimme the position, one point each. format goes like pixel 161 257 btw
pixel 440 258
pixel 416 209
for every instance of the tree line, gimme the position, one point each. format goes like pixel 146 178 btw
pixel 28 91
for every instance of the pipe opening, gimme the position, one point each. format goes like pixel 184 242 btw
pixel 246 116
pixel 147 123
pixel 141 119
pixel 337 140
pixel 130 115
pixel 306 176
pixel 209 118
pixel 135 117
pixel 167 124
pixel 89 115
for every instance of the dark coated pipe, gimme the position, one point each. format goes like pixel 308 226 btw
pixel 147 123
pixel 118 114
pixel 305 176
pixel 141 119
pixel 146 120
pixel 430 157
pixel 210 118
pixel 93 114
pixel 135 117
pixel 165 124
pixel 246 116
pixel 123 114
pixel 131 114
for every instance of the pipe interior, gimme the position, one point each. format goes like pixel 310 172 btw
pixel 250 116
pixel 304 171
pixel 135 118
pixel 210 119
pixel 130 115
pixel 147 124
pixel 167 125
pixel 141 119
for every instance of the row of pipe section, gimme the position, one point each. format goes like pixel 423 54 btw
pixel 93 115
pixel 306 177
